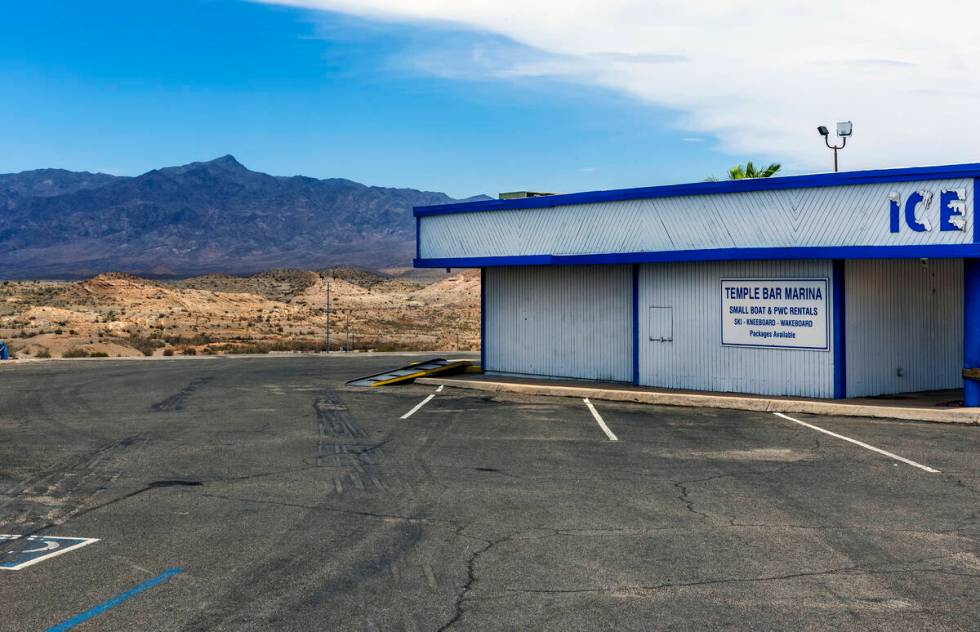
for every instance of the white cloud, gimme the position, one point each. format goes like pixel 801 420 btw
pixel 758 75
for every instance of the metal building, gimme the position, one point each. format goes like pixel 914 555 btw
pixel 830 285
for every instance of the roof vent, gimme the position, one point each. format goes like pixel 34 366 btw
pixel 520 195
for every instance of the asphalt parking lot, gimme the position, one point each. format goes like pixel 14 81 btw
pixel 264 494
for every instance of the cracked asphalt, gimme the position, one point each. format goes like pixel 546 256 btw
pixel 293 502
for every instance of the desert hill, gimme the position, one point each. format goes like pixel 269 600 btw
pixel 120 314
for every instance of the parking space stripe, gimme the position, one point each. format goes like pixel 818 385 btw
pixel 862 444
pixel 598 418
pixel 421 404
pixel 115 601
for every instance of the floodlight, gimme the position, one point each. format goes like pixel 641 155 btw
pixel 844 130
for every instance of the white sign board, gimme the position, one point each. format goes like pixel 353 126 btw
pixel 780 313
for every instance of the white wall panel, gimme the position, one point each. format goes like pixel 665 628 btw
pixel 562 321
pixel 854 215
pixel 695 358
pixel 903 316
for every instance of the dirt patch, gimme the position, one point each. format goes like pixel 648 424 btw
pixel 757 454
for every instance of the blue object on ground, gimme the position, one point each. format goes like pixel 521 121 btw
pixel 4 352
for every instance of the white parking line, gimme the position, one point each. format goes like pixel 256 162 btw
pixel 421 403
pixel 598 418
pixel 862 444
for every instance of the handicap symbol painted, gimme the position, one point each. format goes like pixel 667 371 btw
pixel 17 552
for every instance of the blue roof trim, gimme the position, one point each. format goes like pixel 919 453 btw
pixel 971 170
pixel 716 254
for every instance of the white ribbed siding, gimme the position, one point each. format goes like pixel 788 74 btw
pixel 695 359
pixel 854 215
pixel 903 314
pixel 563 321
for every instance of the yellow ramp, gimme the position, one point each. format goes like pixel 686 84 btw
pixel 410 372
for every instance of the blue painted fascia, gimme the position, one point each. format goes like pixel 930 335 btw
pixel 418 237
pixel 839 323
pixel 971 330
pixel 847 178
pixel 942 251
pixel 976 211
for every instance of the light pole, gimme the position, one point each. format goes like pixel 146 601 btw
pixel 844 131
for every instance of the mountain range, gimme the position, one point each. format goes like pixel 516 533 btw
pixel 215 216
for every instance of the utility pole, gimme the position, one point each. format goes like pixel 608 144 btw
pixel 348 331
pixel 328 314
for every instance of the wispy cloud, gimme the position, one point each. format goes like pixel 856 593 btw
pixel 757 75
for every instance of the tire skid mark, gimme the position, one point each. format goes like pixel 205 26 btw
pixel 176 401
pixel 344 445
pixel 61 490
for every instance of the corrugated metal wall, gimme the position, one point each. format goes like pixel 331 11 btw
pixel 695 359
pixel 564 321
pixel 576 321
pixel 826 216
pixel 903 315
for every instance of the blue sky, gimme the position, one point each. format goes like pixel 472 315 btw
pixel 124 87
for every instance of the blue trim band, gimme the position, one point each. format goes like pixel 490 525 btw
pixel 418 237
pixel 636 324
pixel 946 172
pixel 483 319
pixel 115 601
pixel 839 324
pixel 958 251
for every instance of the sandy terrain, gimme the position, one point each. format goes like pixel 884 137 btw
pixel 280 310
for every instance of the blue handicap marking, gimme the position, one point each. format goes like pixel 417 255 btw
pixel 17 552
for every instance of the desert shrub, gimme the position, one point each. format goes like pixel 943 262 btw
pixel 43 353
pixel 189 351
pixel 144 345
pixel 168 352
pixel 189 340
pixel 74 353
pixel 98 354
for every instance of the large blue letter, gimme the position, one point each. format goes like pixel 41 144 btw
pixel 914 199
pixel 893 213
pixel 951 217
